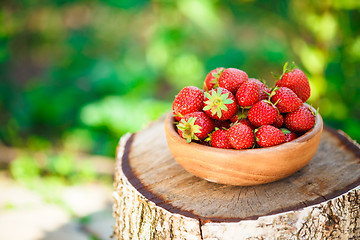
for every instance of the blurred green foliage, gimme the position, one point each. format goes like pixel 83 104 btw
pixel 78 75
pixel 48 173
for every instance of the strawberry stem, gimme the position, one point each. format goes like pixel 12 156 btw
pixel 285 70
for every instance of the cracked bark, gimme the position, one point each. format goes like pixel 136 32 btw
pixel 154 198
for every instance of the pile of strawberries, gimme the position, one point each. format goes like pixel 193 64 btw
pixel 234 111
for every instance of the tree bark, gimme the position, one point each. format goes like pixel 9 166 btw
pixel 155 198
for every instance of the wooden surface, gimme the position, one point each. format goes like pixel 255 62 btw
pixel 147 171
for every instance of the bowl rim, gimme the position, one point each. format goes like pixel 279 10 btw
pixel 303 138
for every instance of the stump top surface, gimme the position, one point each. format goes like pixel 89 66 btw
pixel 150 168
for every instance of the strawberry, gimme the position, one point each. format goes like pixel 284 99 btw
pixel 296 80
pixel 264 91
pixel 220 104
pixel 247 123
pixel 195 125
pixel 248 94
pixel 212 79
pixel 240 136
pixel 267 136
pixel 279 121
pixel 289 136
pixel 219 139
pixel 263 113
pixel 232 78
pixel 285 99
pixel 189 99
pixel 301 120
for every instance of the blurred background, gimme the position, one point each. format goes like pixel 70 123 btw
pixel 76 75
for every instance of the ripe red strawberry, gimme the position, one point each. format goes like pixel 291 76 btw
pixel 285 99
pixel 301 120
pixel 240 136
pixel 289 136
pixel 196 125
pixel 232 78
pixel 296 80
pixel 263 113
pixel 248 94
pixel 264 91
pixel 279 121
pixel 220 104
pixel 219 139
pixel 247 123
pixel 189 99
pixel 212 79
pixel 267 136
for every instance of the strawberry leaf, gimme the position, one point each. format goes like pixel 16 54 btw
pixel 228 101
pixel 285 130
pixel 207 95
pixel 276 76
pixel 223 107
pixel 216 76
pixel 207 107
pixel 285 68
pixel 219 114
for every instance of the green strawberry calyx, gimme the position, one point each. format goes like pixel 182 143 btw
pixel 285 130
pixel 217 102
pixel 272 93
pixel 312 112
pixel 272 104
pixel 216 76
pixel 178 115
pixel 243 114
pixel 286 69
pixel 255 131
pixel 189 129
pixel 262 80
pixel 209 137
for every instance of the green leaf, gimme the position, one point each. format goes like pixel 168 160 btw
pixel 219 114
pixel 207 107
pixel 224 96
pixel 285 67
pixel 207 95
pixel 276 76
pixel 292 67
pixel 228 101
pixel 285 130
pixel 223 107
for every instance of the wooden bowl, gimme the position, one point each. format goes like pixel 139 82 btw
pixel 243 167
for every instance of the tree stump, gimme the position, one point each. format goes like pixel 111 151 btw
pixel 155 198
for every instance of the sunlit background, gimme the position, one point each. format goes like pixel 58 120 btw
pixel 76 76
